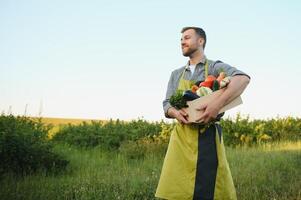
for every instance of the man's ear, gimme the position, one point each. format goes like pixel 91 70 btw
pixel 201 41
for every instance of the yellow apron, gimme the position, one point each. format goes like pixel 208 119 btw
pixel 195 165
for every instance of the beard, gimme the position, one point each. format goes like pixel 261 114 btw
pixel 189 51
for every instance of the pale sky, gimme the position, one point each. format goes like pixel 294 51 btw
pixel 112 59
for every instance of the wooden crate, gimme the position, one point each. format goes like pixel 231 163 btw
pixel 193 114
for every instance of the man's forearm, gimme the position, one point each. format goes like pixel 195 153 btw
pixel 235 88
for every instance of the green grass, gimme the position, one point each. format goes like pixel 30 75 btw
pixel 265 172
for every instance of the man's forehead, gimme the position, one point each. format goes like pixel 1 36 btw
pixel 188 32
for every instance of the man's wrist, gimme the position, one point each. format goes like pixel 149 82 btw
pixel 221 102
pixel 221 99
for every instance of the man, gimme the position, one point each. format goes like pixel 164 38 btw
pixel 195 165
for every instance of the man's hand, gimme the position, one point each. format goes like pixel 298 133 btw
pixel 210 111
pixel 179 115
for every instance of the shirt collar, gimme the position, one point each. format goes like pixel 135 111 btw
pixel 203 61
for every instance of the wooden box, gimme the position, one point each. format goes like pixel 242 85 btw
pixel 193 114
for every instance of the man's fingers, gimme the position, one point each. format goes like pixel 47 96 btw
pixel 207 120
pixel 201 107
pixel 182 117
pixel 204 117
pixel 183 113
pixel 182 120
pixel 201 117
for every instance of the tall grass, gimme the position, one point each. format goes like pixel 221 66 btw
pixel 260 173
pixel 267 171
pixel 92 174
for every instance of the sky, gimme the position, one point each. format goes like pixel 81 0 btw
pixel 112 59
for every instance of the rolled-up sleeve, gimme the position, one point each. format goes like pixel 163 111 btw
pixel 171 88
pixel 228 69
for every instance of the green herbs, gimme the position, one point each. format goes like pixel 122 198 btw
pixel 177 101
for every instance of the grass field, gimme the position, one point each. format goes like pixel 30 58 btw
pixel 262 173
pixel 57 122
pixel 62 121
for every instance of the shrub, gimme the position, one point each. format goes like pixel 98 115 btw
pixel 107 135
pixel 238 131
pixel 150 144
pixel 24 147
pixel 243 131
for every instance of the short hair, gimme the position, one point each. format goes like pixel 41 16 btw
pixel 199 31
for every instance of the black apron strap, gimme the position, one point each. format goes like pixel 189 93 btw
pixel 206 164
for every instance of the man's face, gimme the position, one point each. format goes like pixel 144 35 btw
pixel 190 42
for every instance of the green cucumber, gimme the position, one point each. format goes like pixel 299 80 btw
pixel 215 85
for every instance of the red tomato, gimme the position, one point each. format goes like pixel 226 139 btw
pixel 206 84
pixel 210 79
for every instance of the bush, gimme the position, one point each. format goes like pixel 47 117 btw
pixel 151 144
pixel 238 131
pixel 107 135
pixel 24 147
pixel 243 131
